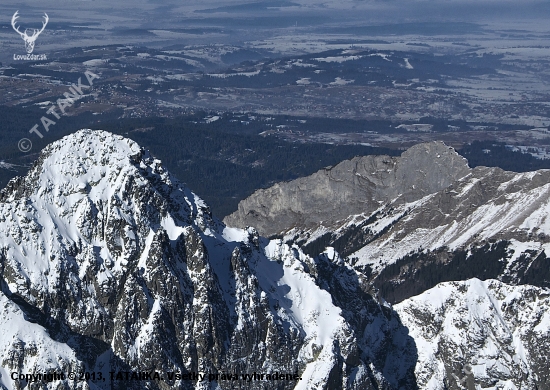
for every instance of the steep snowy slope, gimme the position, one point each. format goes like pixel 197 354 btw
pixel 489 224
pixel 475 334
pixel 109 264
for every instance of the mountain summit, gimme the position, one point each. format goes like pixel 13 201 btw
pixel 109 265
pixel 113 271
pixel 354 186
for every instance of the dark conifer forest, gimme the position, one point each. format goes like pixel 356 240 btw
pixel 226 160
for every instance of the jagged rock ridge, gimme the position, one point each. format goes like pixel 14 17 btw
pixel 476 334
pixel 354 186
pixel 489 224
pixel 108 264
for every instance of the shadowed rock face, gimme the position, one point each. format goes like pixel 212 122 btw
pixel 354 186
pixel 109 264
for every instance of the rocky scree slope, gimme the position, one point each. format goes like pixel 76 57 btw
pixel 109 264
pixel 354 186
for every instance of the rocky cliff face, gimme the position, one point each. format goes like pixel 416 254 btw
pixel 354 186
pixel 489 224
pixel 475 334
pixel 425 246
pixel 109 265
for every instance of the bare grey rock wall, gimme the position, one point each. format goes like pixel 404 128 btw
pixel 360 185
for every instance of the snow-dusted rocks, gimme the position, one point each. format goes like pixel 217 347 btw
pixel 109 264
pixel 475 334
pixel 488 224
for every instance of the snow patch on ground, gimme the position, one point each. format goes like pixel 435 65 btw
pixel 339 59
pixel 481 324
pixel 40 354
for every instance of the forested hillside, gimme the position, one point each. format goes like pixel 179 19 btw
pixel 226 159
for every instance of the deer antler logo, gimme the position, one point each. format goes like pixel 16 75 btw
pixel 34 32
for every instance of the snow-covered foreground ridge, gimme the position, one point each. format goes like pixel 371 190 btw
pixel 108 264
pixel 485 335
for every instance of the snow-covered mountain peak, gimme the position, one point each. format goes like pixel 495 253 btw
pixel 92 148
pixel 91 188
pixel 90 172
pixel 88 158
pixel 107 262
pixel 89 161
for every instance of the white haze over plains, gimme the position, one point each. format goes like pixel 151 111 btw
pixel 167 22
